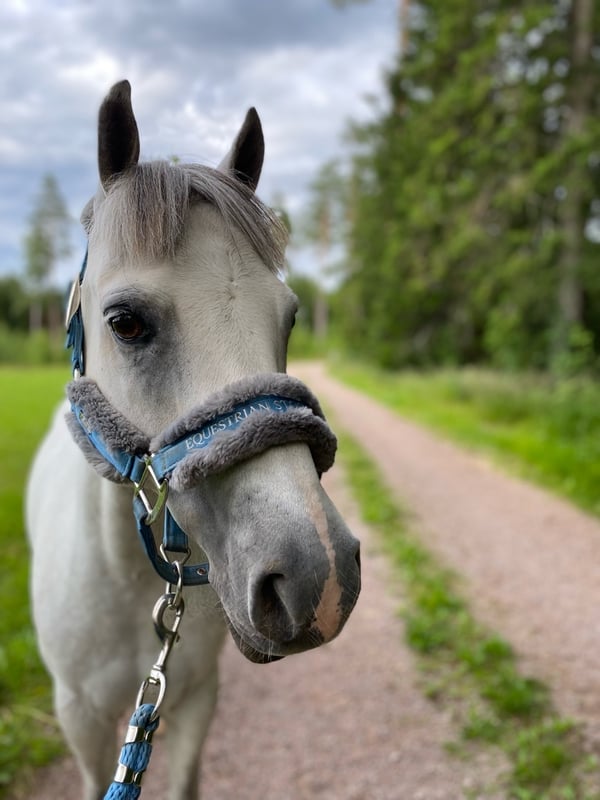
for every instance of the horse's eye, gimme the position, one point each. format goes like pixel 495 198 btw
pixel 127 326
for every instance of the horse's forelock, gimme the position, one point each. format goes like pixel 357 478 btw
pixel 144 213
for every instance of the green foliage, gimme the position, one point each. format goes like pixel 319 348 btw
pixel 32 303
pixel 325 220
pixel 304 344
pixel 36 310
pixel 14 303
pixel 310 337
pixel 39 254
pixel 307 292
pixel 39 347
pixel 28 733
pixel 48 238
pixel 469 196
pixel 545 429
pixel 473 670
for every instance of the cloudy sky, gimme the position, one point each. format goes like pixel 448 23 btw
pixel 195 67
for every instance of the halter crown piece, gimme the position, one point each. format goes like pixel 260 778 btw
pixel 242 420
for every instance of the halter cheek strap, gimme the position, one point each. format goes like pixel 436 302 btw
pixel 129 466
pixel 74 322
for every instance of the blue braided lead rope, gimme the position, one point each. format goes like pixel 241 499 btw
pixel 135 755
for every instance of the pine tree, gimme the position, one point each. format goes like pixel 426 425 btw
pixel 474 189
pixel 46 243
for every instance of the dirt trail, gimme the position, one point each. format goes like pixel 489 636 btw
pixel 530 561
pixel 346 722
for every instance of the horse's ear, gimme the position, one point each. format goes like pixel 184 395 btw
pixel 245 159
pixel 118 138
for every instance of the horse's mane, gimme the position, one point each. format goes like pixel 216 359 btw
pixel 144 212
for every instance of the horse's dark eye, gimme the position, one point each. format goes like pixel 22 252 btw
pixel 127 326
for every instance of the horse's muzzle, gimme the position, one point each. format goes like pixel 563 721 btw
pixel 286 615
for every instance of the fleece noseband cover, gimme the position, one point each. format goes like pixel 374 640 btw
pixel 294 415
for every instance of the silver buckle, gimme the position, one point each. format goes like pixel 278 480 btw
pixel 74 302
pixel 160 487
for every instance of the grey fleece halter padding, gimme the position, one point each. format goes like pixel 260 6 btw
pixel 257 432
pixel 116 430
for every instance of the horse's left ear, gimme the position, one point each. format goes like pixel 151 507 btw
pixel 245 159
pixel 118 137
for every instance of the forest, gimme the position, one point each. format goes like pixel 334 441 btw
pixel 468 210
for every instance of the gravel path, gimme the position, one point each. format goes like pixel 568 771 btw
pixel 530 561
pixel 346 722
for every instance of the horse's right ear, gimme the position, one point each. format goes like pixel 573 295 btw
pixel 118 137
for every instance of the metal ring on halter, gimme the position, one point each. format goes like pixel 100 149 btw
pixel 178 564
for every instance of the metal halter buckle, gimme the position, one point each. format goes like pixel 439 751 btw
pixel 160 487
pixel 74 302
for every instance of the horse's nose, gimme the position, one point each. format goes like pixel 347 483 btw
pixel 291 605
pixel 281 606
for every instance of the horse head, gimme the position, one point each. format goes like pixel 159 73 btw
pixel 182 298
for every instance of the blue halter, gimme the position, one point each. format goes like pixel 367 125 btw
pixel 133 468
pixel 74 322
pixel 150 472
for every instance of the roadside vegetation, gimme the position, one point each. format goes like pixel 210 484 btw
pixel 37 349
pixel 470 669
pixel 29 735
pixel 542 428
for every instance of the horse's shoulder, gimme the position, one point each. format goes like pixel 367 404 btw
pixel 59 470
pixel 57 446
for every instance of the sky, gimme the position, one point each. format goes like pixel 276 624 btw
pixel 195 67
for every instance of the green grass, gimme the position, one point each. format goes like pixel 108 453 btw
pixel 28 733
pixel 546 431
pixel 469 668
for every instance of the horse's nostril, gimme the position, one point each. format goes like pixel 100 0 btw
pixel 269 596
pixel 269 613
pixel 357 557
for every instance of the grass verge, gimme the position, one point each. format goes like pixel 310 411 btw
pixel 541 429
pixel 29 736
pixel 470 667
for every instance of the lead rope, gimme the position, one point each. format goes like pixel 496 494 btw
pixel 137 748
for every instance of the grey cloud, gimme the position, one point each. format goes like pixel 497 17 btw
pixel 195 68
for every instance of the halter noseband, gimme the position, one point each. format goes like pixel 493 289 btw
pixel 242 420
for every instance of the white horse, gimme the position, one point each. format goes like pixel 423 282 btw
pixel 181 301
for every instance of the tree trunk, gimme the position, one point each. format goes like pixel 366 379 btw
pixel 572 218
pixel 403 32
pixel 55 318
pixel 35 315
pixel 321 315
